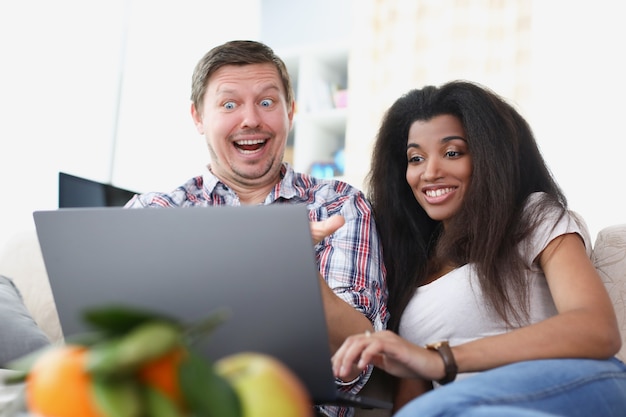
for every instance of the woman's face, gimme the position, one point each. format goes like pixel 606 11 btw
pixel 439 165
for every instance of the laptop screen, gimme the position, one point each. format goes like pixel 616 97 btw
pixel 76 191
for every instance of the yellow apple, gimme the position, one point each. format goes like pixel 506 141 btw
pixel 266 387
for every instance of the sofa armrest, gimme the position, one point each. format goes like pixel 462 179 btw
pixel 21 260
pixel 609 258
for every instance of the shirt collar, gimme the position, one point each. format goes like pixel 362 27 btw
pixel 285 189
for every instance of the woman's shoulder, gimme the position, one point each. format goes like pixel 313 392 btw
pixel 549 218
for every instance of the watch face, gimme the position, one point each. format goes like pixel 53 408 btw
pixel 437 345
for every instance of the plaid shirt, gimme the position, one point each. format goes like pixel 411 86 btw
pixel 350 260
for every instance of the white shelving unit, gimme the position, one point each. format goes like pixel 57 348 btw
pixel 320 75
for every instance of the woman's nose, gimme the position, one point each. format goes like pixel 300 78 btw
pixel 431 169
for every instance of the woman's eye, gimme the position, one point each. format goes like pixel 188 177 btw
pixel 267 102
pixel 453 154
pixel 229 105
pixel 415 159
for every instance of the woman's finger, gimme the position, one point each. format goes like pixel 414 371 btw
pixel 351 353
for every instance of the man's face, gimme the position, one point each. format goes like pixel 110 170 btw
pixel 245 120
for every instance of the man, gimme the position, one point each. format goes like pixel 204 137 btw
pixel 243 104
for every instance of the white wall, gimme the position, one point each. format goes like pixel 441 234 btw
pixel 59 91
pixel 60 72
pixel 578 105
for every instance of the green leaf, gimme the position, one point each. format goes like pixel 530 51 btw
pixel 207 393
pixel 87 339
pixel 102 359
pixel 23 364
pixel 158 405
pixel 194 332
pixel 117 397
pixel 118 320
pixel 126 353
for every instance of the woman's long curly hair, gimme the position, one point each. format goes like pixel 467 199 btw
pixel 507 168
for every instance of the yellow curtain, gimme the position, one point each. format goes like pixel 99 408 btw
pixel 398 45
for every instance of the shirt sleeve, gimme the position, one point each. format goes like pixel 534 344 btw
pixel 552 225
pixel 134 202
pixel 350 261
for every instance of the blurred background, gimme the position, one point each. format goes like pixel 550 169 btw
pixel 100 88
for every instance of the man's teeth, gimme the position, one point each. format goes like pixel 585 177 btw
pixel 250 142
pixel 438 192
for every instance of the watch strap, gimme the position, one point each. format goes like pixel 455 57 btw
pixel 449 363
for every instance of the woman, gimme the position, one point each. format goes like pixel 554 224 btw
pixel 487 266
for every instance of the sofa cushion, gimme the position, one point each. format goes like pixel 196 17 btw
pixel 609 258
pixel 20 333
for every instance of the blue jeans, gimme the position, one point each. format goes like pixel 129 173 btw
pixel 539 388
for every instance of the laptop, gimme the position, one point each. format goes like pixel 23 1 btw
pixel 257 262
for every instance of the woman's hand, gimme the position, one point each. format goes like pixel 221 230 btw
pixel 323 228
pixel 390 352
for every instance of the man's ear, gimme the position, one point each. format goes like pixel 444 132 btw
pixel 196 115
pixel 290 113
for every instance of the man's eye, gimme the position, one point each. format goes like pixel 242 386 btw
pixel 267 102
pixel 229 105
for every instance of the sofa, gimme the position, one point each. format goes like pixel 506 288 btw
pixel 21 261
pixel 609 258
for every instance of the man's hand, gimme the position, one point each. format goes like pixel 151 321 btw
pixel 323 228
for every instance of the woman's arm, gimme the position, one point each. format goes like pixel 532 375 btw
pixel 585 327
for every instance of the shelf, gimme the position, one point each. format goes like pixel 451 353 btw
pixel 320 79
pixel 331 119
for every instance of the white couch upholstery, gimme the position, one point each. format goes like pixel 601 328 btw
pixel 609 258
pixel 21 261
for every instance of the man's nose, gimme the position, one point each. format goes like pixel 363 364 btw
pixel 251 117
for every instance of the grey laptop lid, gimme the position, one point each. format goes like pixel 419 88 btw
pixel 256 262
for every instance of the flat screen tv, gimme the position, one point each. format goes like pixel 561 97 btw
pixel 81 192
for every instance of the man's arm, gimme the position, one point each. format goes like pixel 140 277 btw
pixel 353 291
pixel 342 319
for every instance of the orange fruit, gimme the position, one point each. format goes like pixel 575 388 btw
pixel 162 374
pixel 58 385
